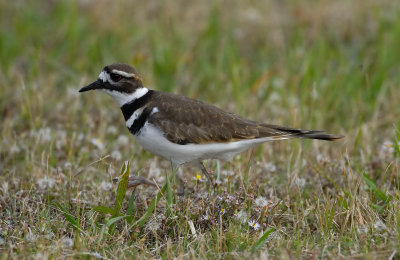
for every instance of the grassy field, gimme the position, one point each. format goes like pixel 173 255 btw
pixel 332 65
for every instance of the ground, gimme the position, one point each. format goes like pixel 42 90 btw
pixel 331 65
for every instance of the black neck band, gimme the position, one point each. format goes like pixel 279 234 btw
pixel 129 108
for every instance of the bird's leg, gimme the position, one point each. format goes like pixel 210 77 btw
pixel 206 173
pixel 181 182
pixel 139 180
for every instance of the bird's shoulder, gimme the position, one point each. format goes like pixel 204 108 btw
pixel 187 110
pixel 186 120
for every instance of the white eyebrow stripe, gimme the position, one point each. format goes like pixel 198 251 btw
pixel 123 73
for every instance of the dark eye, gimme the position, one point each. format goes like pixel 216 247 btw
pixel 115 77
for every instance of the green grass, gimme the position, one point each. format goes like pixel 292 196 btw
pixel 309 64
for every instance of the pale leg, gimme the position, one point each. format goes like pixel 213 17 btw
pixel 181 182
pixel 139 180
pixel 206 173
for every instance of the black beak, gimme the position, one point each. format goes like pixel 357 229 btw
pixel 98 84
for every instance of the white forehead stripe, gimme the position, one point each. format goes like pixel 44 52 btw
pixel 104 76
pixel 124 74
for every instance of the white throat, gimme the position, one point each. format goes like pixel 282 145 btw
pixel 123 98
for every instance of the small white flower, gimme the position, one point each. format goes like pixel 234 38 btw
pixel 97 142
pixel 242 216
pixel 14 149
pixel 321 158
pixel 105 185
pixel 379 225
pixel 254 224
pixel 301 182
pixel 122 140
pixel 218 182
pixel 97 255
pixel 46 182
pixel 387 149
pixel 112 130
pixel 67 242
pixel 277 82
pixel 44 134
pixel 387 146
pixel 4 187
pixel 40 256
pixel 15 182
pixel 30 237
pixel 111 170
pixel 80 137
pixel 67 165
pixel 116 155
pixel 362 229
pixel 59 144
pixel 227 173
pixel 154 223
pixel 261 201
pixel 274 97
pixel 50 235
pixel 270 167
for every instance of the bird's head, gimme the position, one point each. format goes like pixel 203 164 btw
pixel 120 81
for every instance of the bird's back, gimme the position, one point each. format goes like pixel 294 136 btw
pixel 185 120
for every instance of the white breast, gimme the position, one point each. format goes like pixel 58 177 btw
pixel 152 140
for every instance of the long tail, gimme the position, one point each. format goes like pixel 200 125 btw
pixel 320 135
pixel 282 131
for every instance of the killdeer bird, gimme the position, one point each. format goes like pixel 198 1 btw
pixel 185 130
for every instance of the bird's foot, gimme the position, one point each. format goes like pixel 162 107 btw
pixel 139 180
pixel 181 190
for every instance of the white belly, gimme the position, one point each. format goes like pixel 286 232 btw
pixel 152 140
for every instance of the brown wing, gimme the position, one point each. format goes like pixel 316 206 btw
pixel 185 120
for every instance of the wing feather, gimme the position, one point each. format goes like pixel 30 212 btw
pixel 185 120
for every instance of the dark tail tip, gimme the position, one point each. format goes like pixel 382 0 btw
pixel 320 135
pixel 309 134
